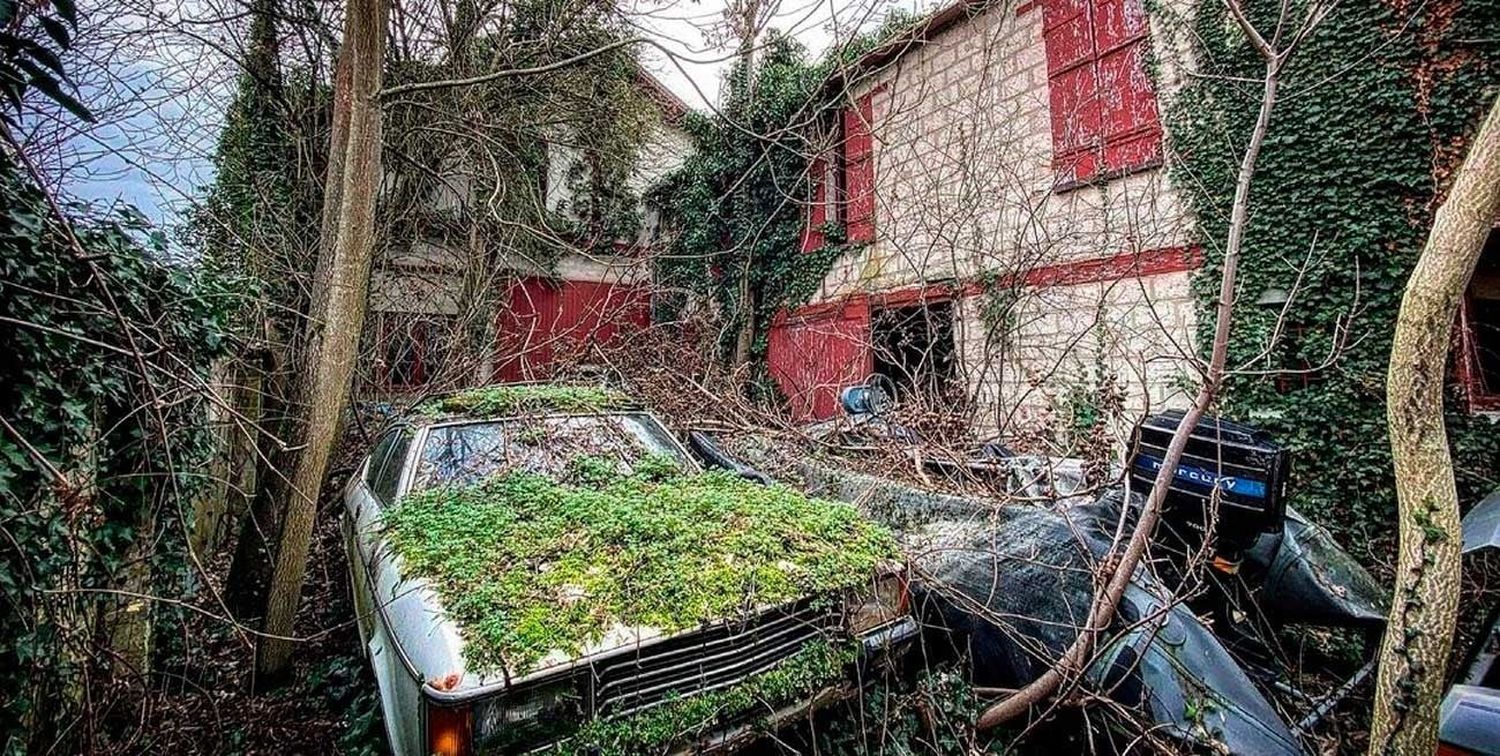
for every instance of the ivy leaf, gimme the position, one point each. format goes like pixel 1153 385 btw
pixel 44 83
pixel 45 57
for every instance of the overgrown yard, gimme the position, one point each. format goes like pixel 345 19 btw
pixel 665 524
pixel 1120 373
pixel 207 705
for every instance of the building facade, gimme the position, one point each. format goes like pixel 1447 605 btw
pixel 446 314
pixel 1022 243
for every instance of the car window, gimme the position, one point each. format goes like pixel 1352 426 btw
pixel 378 456
pixel 388 479
pixel 458 454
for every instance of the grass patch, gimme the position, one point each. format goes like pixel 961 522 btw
pixel 497 401
pixel 527 566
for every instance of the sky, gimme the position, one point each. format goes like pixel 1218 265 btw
pixel 163 108
pixel 698 62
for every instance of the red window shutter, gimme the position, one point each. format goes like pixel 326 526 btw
pixel 1104 115
pixel 817 210
pixel 1130 122
pixel 859 171
pixel 1068 33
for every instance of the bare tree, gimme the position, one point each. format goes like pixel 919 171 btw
pixel 1424 609
pixel 1121 566
pixel 338 314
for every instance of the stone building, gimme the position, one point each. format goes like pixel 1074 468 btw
pixel 423 291
pixel 1023 244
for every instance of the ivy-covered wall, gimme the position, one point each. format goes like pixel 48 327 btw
pixel 737 205
pixel 1373 116
pixel 102 449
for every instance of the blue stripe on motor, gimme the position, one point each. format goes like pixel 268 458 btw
pixel 1206 479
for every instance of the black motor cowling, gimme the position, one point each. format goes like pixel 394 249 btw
pixel 1239 465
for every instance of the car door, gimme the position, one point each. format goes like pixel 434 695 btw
pixel 378 487
pixel 374 489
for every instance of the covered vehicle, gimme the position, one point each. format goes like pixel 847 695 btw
pixel 1007 548
pixel 1469 721
pixel 547 567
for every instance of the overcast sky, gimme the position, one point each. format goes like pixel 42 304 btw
pixel 154 150
pixel 695 71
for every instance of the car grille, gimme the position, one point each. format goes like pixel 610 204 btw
pixel 705 660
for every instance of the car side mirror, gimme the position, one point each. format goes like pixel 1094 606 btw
pixel 709 451
pixel 1481 526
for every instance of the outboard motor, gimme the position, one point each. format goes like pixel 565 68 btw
pixel 1236 468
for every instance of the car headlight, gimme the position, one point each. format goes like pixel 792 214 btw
pixel 531 715
pixel 883 601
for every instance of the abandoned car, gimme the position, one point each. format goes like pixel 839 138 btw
pixel 1469 721
pixel 547 566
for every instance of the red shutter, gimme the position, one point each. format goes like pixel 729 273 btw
pixel 814 353
pixel 1131 125
pixel 859 171
pixel 817 210
pixel 1104 115
pixel 1068 33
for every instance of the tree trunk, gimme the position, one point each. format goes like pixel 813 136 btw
pixel 744 21
pixel 259 395
pixel 332 341
pixel 211 510
pixel 333 182
pixel 1424 609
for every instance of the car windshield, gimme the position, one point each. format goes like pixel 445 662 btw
pixel 459 454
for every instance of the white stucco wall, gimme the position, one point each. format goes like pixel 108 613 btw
pixel 427 279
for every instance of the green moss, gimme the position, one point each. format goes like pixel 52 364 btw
pixel 527 565
pixel 798 678
pixel 495 401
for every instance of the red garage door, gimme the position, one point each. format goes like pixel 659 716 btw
pixel 816 351
pixel 545 321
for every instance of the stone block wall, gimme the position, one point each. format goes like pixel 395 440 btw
pixel 965 191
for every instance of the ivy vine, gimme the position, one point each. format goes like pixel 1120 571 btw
pixel 1375 110
pixel 105 437
pixel 738 203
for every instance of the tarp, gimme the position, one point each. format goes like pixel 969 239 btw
pixel 1013 584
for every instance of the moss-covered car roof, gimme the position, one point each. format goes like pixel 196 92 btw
pixel 515 399
pixel 535 570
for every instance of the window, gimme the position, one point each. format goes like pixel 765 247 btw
pixel 383 476
pixel 1297 370
pixel 914 347
pixel 1104 117
pixel 1479 331
pixel 412 348
pixel 843 184
pixel 859 171
pixel 551 446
